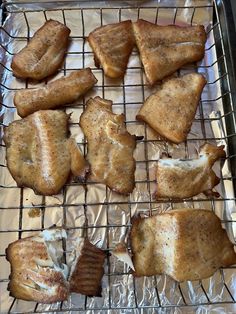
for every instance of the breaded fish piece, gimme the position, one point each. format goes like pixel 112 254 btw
pixel 110 146
pixel 88 271
pixel 40 155
pixel 60 92
pixel 165 49
pixel 171 110
pixel 37 273
pixel 44 53
pixel 179 179
pixel 112 45
pixel 78 165
pixel 186 244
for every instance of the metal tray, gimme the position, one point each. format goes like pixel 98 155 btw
pixel 132 296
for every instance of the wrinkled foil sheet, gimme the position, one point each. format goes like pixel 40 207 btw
pixel 109 222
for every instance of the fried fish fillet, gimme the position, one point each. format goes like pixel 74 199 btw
pixel 112 45
pixel 171 110
pixel 44 53
pixel 55 94
pixel 88 271
pixel 165 49
pixel 110 146
pixel 186 244
pixel 37 273
pixel 178 178
pixel 40 155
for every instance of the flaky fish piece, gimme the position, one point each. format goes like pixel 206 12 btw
pixel 44 53
pixel 186 244
pixel 37 273
pixel 40 155
pixel 165 49
pixel 171 110
pixel 110 146
pixel 60 92
pixel 179 179
pixel 88 270
pixel 121 252
pixel 112 45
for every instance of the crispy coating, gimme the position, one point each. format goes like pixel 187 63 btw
pixel 33 275
pixel 39 153
pixel 112 45
pixel 165 49
pixel 44 53
pixel 88 271
pixel 179 179
pixel 186 244
pixel 79 166
pixel 39 274
pixel 171 110
pixel 60 92
pixel 110 146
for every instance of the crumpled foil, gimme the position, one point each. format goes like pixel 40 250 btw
pixel 96 211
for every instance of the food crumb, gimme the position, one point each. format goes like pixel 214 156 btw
pixel 34 212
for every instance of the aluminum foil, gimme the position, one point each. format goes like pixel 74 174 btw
pixel 108 223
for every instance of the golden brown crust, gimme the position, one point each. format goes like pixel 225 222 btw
pixel 44 53
pixel 38 273
pixel 79 166
pixel 88 272
pixel 213 152
pixel 33 276
pixel 165 49
pixel 186 244
pixel 181 179
pixel 171 110
pixel 38 155
pixel 60 92
pixel 112 45
pixel 110 146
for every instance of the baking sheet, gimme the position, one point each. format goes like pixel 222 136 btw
pixel 106 215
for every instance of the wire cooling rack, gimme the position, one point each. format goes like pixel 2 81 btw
pixel 164 293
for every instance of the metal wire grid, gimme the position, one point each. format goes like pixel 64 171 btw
pixel 149 203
